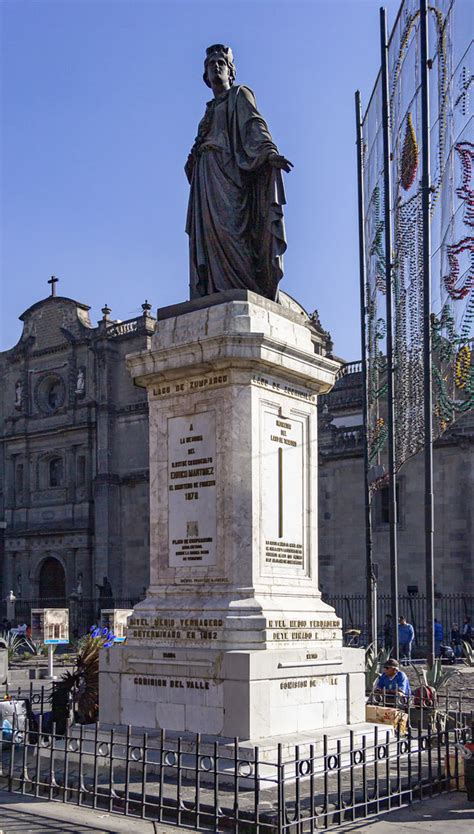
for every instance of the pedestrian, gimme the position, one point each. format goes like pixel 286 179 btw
pixel 393 680
pixel 456 639
pixel 467 630
pixel 438 636
pixel 387 632
pixel 406 635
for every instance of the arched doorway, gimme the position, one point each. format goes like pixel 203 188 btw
pixel 52 582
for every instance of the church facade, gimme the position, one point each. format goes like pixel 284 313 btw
pixel 74 488
pixel 73 458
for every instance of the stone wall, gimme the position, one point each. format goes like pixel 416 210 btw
pixel 341 506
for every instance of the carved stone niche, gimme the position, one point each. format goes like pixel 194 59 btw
pixel 50 393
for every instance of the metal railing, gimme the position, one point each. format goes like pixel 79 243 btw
pixel 350 368
pixel 344 440
pixel 449 608
pixel 213 785
pixel 37 695
pixel 450 709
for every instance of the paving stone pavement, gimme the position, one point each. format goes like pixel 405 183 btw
pixel 446 814
pixel 27 815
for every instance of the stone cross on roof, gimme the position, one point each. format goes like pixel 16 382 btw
pixel 53 281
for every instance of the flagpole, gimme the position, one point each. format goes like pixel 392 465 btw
pixel 427 358
pixel 371 614
pixel 392 484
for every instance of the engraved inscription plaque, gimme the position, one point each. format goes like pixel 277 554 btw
pixel 283 504
pixel 192 490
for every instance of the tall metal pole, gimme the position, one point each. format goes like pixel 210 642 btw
pixel 51 662
pixel 392 484
pixel 427 384
pixel 369 567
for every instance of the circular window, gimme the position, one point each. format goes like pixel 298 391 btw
pixel 50 393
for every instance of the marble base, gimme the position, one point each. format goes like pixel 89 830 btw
pixel 250 695
pixel 233 638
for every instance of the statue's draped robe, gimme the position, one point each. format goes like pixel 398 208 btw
pixel 235 215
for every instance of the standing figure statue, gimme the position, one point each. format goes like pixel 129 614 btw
pixel 235 214
pixel 18 394
pixel 80 381
pixel 106 596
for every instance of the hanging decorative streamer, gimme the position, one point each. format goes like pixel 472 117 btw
pixel 452 321
pixel 452 221
pixel 375 290
pixel 409 162
pixel 407 220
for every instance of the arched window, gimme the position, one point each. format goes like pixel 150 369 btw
pixel 55 472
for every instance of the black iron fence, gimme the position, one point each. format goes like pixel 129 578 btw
pixel 193 782
pixel 451 709
pixel 449 609
pixel 37 696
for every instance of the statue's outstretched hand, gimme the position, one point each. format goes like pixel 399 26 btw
pixel 279 161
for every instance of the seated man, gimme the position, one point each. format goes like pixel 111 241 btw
pixel 393 681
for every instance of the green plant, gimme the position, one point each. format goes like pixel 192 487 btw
pixel 34 648
pixel 435 676
pixel 81 642
pixel 468 653
pixel 12 642
pixel 80 686
pixel 431 680
pixel 66 659
pixel 374 663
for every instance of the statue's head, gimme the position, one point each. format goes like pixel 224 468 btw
pixel 221 51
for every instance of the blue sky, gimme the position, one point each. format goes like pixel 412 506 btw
pixel 101 101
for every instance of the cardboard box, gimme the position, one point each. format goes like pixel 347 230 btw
pixel 387 715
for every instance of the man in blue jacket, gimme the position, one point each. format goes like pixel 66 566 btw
pixel 438 636
pixel 406 634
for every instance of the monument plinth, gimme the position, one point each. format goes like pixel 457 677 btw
pixel 233 638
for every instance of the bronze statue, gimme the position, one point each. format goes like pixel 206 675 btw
pixel 235 214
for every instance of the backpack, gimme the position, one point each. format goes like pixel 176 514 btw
pixel 424 696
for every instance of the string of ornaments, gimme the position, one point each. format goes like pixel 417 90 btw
pixel 452 253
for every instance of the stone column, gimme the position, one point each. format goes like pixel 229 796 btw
pixel 105 481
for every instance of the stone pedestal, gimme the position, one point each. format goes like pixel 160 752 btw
pixel 233 638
